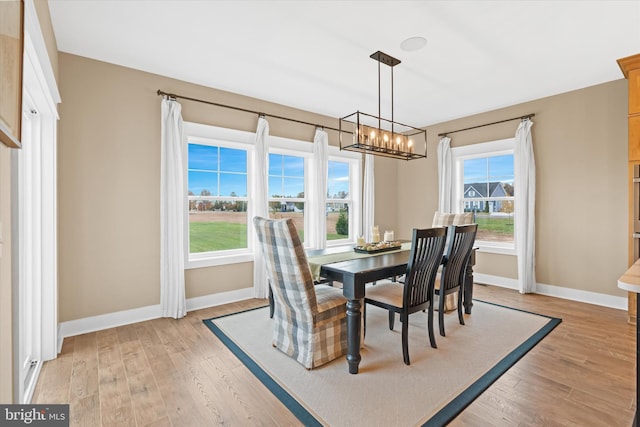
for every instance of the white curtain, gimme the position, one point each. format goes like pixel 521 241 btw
pixel 368 197
pixel 316 235
pixel 172 199
pixel 445 175
pixel 261 205
pixel 525 200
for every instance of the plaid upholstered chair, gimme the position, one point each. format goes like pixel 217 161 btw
pixel 310 322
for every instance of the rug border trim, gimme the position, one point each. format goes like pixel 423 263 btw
pixel 291 403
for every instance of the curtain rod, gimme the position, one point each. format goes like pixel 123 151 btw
pixel 260 114
pixel 528 116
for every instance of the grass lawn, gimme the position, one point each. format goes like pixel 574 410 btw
pixel 219 236
pixel 216 236
pixel 495 225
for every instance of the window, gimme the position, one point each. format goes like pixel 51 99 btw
pixel 484 184
pixel 218 171
pixel 287 189
pixel 218 199
pixel 338 200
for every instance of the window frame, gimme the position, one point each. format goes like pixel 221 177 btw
pixel 474 151
pixel 355 189
pixel 228 138
pixel 231 138
pixel 302 149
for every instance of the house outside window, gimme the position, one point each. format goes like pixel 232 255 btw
pixel 484 184
pixel 218 166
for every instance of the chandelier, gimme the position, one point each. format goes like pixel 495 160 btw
pixel 382 137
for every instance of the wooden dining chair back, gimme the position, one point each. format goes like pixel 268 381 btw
pixel 310 323
pixel 416 294
pixel 451 280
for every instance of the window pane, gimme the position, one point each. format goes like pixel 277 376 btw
pixel 495 226
pixel 203 183
pixel 232 160
pixel 275 164
pixel 293 166
pixel 233 184
pixel 203 157
pixel 337 221
pixel 488 192
pixel 275 186
pixel 286 176
pixel 338 180
pixel 293 187
pixel 218 225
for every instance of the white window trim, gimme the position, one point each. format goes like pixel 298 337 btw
pixel 485 149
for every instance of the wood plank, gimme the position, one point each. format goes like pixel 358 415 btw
pixel 115 402
pixel 146 399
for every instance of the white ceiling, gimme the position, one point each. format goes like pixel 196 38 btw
pixel 314 55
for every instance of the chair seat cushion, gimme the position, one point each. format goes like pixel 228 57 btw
pixel 387 292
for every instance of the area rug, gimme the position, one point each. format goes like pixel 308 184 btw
pixel 431 391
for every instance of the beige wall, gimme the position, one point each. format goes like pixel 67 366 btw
pixel 580 146
pixel 109 179
pixel 109 185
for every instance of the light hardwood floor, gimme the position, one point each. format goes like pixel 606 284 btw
pixel 168 372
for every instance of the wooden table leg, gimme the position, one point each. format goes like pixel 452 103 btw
pixel 353 332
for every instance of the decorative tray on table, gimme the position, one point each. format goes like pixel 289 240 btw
pixel 374 248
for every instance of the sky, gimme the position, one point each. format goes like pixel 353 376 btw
pixel 211 167
pixel 487 169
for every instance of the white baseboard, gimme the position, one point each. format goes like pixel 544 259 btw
pixel 588 297
pixel 503 282
pixel 127 317
pixel 212 300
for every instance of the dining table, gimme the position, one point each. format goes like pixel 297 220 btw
pixel 354 270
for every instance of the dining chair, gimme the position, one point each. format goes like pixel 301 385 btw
pixel 445 219
pixel 416 294
pixel 310 323
pixel 319 281
pixel 451 279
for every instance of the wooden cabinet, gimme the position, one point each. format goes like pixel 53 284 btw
pixel 630 67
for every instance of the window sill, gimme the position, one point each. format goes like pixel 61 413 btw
pixel 494 249
pixel 193 263
pixel 340 243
